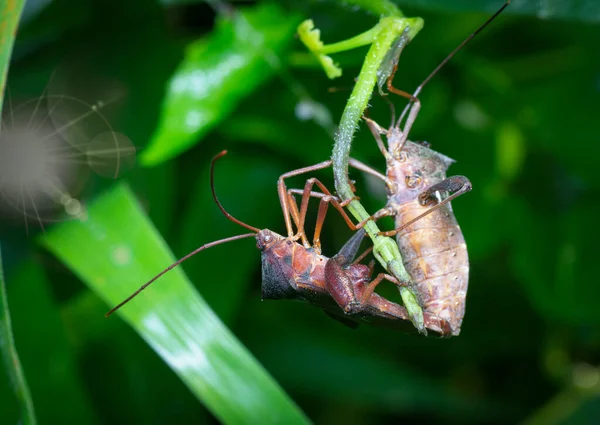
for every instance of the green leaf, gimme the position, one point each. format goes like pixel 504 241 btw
pixel 33 9
pixel 556 263
pixel 53 377
pixel 11 357
pixel 389 384
pixel 216 74
pixel 113 250
pixel 10 12
pixel 584 10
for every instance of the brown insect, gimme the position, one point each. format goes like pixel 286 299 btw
pixel 292 270
pixel 419 193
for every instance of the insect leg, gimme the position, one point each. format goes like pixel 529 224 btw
pixel 365 291
pixel 377 131
pixel 328 197
pixel 413 108
pixel 298 221
pixel 300 217
pixel 323 206
pixel 347 284
pixel 457 185
pixel 283 199
pixel 288 202
pixel 351 292
pixel 383 212
pixel 366 169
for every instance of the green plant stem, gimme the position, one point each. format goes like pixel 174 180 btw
pixel 363 39
pixel 11 357
pixel 385 249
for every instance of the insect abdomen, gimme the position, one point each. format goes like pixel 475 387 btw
pixel 435 254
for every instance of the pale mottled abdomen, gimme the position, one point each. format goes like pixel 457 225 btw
pixel 435 255
pixel 433 248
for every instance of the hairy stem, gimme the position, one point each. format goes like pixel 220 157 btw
pixel 385 249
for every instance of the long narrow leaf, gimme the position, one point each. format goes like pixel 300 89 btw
pixel 115 249
pixel 11 357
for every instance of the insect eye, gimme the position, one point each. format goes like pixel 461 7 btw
pixel 268 237
pixel 412 181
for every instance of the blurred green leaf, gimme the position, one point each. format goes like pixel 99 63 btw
pixel 556 262
pixel 270 121
pixel 216 74
pixel 529 221
pixel 141 375
pixel 33 8
pixel 388 383
pixel 583 10
pixel 113 250
pixel 53 377
pixel 12 363
pixel 44 21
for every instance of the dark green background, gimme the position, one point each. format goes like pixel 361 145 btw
pixel 530 343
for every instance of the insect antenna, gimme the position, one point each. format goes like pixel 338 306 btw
pixel 197 250
pixel 175 264
pixel 214 193
pixel 450 56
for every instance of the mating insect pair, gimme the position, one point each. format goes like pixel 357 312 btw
pixel 427 234
pixel 292 270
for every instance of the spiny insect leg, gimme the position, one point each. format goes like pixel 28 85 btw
pixel 283 197
pixel 300 217
pixel 298 221
pixel 323 205
pixel 282 189
pixel 366 291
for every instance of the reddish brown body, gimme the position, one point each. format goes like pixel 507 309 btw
pixel 433 248
pixel 292 271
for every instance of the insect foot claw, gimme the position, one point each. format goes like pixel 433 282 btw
pixel 317 246
pixel 353 307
